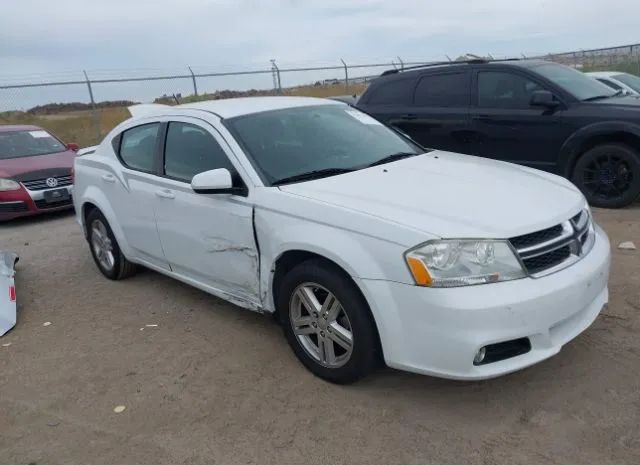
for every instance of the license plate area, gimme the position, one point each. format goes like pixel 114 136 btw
pixel 56 195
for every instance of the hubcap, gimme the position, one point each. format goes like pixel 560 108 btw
pixel 607 176
pixel 321 325
pixel 101 244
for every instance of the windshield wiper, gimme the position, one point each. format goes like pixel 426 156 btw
pixel 392 157
pixel 316 174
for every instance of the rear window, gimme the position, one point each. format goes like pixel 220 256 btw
pixel 630 80
pixel 17 144
pixel 611 84
pixel 443 90
pixel 138 147
pixel 396 92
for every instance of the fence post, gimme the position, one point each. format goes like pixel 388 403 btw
pixel 346 77
pixel 94 111
pixel 277 83
pixel 193 78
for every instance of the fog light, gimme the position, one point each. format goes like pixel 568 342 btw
pixel 477 360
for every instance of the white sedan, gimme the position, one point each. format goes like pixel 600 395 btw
pixel 622 82
pixel 365 246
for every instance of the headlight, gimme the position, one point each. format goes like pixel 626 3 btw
pixel 460 262
pixel 8 185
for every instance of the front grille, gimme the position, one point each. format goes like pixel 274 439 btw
pixel 13 207
pixel 538 237
pixel 44 205
pixel 41 184
pixel 556 247
pixel 548 260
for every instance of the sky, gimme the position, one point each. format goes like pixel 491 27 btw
pixel 44 40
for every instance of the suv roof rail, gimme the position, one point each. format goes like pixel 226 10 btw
pixel 470 61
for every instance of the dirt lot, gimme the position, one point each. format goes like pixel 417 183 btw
pixel 213 384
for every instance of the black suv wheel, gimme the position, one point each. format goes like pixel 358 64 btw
pixel 608 175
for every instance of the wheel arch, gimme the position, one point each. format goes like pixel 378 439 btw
pixel 94 199
pixel 288 259
pixel 593 135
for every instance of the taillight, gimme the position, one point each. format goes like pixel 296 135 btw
pixel 12 293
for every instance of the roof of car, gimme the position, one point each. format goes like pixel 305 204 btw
pixel 524 63
pixel 230 108
pixel 604 73
pixel 18 127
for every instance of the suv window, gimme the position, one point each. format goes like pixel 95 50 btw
pixel 396 92
pixel 138 147
pixel 189 150
pixel 443 90
pixel 500 89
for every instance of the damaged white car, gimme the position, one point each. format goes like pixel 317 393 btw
pixel 366 246
pixel 7 291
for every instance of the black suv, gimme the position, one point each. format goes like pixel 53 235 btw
pixel 533 112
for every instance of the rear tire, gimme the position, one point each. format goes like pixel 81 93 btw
pixel 608 175
pixel 327 322
pixel 105 250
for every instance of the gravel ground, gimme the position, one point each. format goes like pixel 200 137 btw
pixel 214 384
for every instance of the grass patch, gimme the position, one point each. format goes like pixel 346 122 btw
pixel 84 127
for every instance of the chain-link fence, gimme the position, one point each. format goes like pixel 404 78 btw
pixel 83 109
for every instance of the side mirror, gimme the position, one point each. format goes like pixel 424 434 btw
pixel 216 181
pixel 73 146
pixel 543 98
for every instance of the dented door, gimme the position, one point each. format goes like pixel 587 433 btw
pixel 209 238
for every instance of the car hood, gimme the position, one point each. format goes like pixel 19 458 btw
pixel 625 101
pixel 451 195
pixel 17 166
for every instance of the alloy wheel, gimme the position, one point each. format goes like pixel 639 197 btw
pixel 321 325
pixel 102 246
pixel 607 176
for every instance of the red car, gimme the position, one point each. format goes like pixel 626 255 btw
pixel 35 172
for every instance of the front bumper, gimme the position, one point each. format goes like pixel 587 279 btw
pixel 23 202
pixel 439 331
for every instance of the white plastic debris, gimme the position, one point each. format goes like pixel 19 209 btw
pixel 46 323
pixel 6 344
pixel 628 245
pixel 119 408
pixel 7 291
pixel 151 326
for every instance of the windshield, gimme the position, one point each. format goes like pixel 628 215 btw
pixel 573 81
pixel 331 138
pixel 630 80
pixel 16 144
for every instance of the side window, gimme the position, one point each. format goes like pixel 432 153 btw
pixel 609 83
pixel 396 92
pixel 443 90
pixel 498 89
pixel 138 147
pixel 190 150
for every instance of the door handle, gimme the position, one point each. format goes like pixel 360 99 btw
pixel 108 178
pixel 409 116
pixel 165 194
pixel 481 117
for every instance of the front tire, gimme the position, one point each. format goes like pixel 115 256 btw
pixel 105 250
pixel 608 175
pixel 327 322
